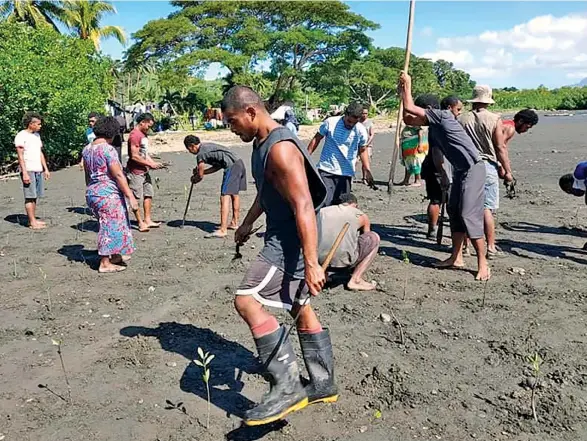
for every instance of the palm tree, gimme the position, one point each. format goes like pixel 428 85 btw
pixel 36 13
pixel 84 17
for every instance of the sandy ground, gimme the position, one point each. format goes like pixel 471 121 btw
pixel 129 339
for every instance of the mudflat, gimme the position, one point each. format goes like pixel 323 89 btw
pixel 129 339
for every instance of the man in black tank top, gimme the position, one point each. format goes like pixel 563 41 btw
pixel 286 272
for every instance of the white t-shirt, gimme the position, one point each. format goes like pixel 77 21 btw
pixel 32 145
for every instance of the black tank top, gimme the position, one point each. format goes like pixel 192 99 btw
pixel 282 243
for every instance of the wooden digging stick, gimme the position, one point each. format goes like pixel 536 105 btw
pixel 187 206
pixel 325 265
pixel 396 146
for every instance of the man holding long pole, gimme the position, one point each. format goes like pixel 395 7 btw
pixel 465 206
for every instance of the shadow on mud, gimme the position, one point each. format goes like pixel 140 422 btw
pixel 528 227
pixel 208 227
pixel 77 253
pixel 19 219
pixel 87 225
pixel 246 433
pixel 231 361
pixel 80 210
pixel 546 250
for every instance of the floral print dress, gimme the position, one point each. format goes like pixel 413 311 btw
pixel 107 201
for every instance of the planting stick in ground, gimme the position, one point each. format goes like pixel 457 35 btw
pixel 58 344
pixel 401 330
pixel 204 363
pixel 46 289
pixel 187 203
pixel 535 361
pixel 406 260
pixel 484 292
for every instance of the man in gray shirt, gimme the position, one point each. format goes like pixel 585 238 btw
pixel 233 181
pixel 359 245
pixel 467 195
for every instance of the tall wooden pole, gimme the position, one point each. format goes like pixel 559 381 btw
pixel 396 147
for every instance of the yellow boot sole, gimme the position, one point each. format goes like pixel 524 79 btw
pixel 331 399
pixel 282 415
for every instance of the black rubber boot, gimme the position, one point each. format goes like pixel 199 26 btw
pixel 317 351
pixel 287 393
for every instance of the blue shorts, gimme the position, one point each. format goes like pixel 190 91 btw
pixel 36 188
pixel 491 187
pixel 234 179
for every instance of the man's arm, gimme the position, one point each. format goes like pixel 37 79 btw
pixel 364 223
pixel 201 170
pixel 25 175
pixel 286 171
pixel 135 156
pixel 46 172
pixel 314 143
pixel 371 133
pixel 415 115
pixel 501 151
pixel 243 232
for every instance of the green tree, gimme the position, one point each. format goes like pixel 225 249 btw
pixel 63 87
pixel 451 80
pixel 35 13
pixel 243 36
pixel 84 18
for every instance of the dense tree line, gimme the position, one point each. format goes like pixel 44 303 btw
pixel 315 54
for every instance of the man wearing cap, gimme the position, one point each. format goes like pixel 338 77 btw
pixel 485 129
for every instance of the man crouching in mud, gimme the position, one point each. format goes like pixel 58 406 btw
pixel 286 272
pixel 576 183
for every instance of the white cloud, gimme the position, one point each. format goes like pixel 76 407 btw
pixel 543 45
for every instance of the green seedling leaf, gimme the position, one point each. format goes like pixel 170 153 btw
pixel 210 358
pixel 199 363
pixel 377 414
pixel 201 353
pixel 206 375
pixel 56 342
pixel 405 256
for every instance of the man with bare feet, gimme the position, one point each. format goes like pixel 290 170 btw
pixel 465 205
pixel 138 166
pixel 359 245
pixel 233 181
pixel 33 167
pixel 286 272
pixel 486 130
pixel 576 183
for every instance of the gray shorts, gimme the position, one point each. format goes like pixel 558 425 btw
pixel 491 186
pixel 466 201
pixel 234 179
pixel 271 286
pixel 140 185
pixel 36 188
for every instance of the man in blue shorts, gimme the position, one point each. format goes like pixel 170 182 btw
pixel 233 182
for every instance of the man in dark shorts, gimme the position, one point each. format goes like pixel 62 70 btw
pixel 286 272
pixel 359 245
pixel 345 140
pixel 467 195
pixel 576 183
pixel 233 181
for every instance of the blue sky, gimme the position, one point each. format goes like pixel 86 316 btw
pixel 522 44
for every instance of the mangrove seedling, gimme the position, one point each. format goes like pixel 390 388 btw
pixel 47 290
pixel 535 362
pixel 58 343
pixel 204 363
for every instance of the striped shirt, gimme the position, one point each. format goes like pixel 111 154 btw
pixel 341 146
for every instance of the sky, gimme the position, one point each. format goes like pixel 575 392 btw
pixel 520 44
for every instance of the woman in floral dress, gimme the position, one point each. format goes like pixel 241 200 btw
pixel 106 190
